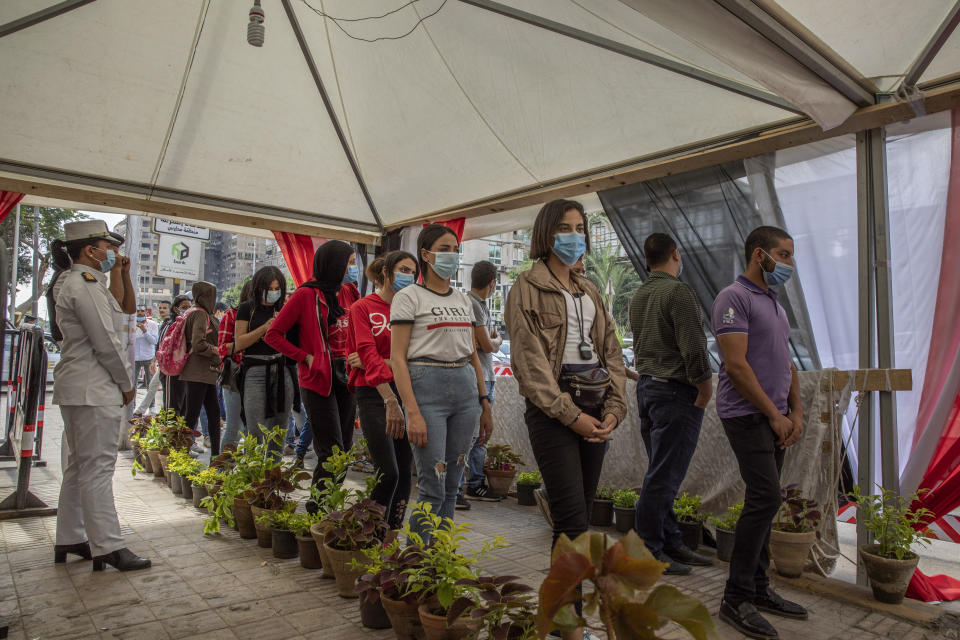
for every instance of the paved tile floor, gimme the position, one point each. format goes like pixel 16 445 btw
pixel 221 587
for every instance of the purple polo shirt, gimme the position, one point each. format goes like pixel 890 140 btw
pixel 743 307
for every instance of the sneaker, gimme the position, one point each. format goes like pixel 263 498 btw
pixel 483 493
pixel 541 497
pixel 771 602
pixel 462 504
pixel 288 450
pixel 747 621
pixel 206 441
pixel 686 556
pixel 197 448
pixel 675 568
pixel 299 463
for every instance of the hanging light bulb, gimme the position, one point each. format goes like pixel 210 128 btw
pixel 255 28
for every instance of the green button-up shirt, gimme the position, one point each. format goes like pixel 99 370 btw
pixel 667 325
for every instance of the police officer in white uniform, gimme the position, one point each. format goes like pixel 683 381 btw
pixel 92 384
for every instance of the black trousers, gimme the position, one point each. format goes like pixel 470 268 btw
pixel 324 416
pixel 200 395
pixel 174 394
pixel 754 444
pixel 570 467
pixel 346 404
pixel 393 458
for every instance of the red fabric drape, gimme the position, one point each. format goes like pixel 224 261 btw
pixel 298 250
pixel 942 478
pixel 8 200
pixel 456 224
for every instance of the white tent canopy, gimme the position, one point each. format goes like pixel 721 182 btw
pixel 163 106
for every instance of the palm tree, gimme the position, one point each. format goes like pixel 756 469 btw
pixel 616 279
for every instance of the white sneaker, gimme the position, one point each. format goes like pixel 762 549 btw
pixel 206 441
pixel 196 448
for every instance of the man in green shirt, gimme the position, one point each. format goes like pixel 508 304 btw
pixel 674 387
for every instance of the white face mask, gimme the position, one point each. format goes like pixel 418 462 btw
pixel 271 297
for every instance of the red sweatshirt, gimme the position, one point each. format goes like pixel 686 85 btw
pixel 301 310
pixel 347 295
pixel 369 336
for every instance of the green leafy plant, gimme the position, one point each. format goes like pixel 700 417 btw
pixel 331 495
pixel 621 574
pixel 203 477
pixel 182 463
pixel 387 569
pixel 501 458
pixel 300 523
pixel 220 504
pixel 605 492
pixel 688 508
pixel 531 478
pixel 153 437
pixel 505 607
pixel 728 522
pixel 892 522
pixel 625 498
pixel 442 566
pixel 280 517
pixel 361 525
pixel 797 514
pixel 272 491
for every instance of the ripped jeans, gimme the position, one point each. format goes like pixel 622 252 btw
pixel 447 398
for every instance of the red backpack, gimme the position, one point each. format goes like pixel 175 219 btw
pixel 172 353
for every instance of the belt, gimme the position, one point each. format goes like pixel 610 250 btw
pixel 428 362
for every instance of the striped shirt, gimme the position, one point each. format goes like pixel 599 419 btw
pixel 667 325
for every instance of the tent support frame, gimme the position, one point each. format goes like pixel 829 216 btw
pixel 933 47
pixel 40 16
pixel 634 53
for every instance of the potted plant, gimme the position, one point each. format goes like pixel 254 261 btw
pixel 138 429
pixel 793 532
pixel 175 466
pixel 185 466
pixel 385 600
pixel 283 541
pixel 360 526
pixel 271 494
pixel 438 579
pixel 895 526
pixel 690 516
pixel 621 573
pixel 504 607
pixel 602 513
pixel 500 467
pixel 625 509
pixel 154 442
pixel 199 481
pixel 726 526
pixel 331 496
pixel 299 524
pixel 527 483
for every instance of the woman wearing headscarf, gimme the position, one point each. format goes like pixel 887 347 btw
pixel 200 373
pixel 312 310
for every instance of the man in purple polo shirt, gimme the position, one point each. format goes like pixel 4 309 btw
pixel 758 401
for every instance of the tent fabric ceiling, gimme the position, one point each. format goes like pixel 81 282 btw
pixel 469 105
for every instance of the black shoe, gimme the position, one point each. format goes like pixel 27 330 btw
pixel 462 504
pixel 686 556
pixel 770 602
pixel 483 493
pixel 747 621
pixel 675 568
pixel 298 464
pixel 121 560
pixel 81 549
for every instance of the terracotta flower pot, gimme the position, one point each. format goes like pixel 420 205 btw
pixel 243 517
pixel 186 488
pixel 404 617
pixel 525 494
pixel 264 537
pixel 317 531
pixel 889 577
pixel 145 461
pixel 373 615
pixel 164 469
pixel 789 551
pixel 154 455
pixel 435 626
pixel 500 480
pixel 346 576
pixel 691 532
pixel 624 518
pixel 602 513
pixel 309 554
pixel 175 485
pixel 724 544
pixel 199 493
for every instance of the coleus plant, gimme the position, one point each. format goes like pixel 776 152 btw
pixel 501 458
pixel 622 573
pixel 505 608
pixel 797 514
pixel 175 430
pixel 387 570
pixel 360 526
pixel 273 490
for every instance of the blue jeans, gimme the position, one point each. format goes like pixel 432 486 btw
pixel 231 405
pixel 670 427
pixel 204 427
pixel 305 439
pixel 478 452
pixel 447 398
pixel 291 438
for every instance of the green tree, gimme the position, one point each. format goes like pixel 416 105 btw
pixel 616 279
pixel 231 296
pixel 50 225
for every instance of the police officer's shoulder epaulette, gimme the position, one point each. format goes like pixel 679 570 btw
pixel 89 277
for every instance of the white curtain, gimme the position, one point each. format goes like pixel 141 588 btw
pixel 819 202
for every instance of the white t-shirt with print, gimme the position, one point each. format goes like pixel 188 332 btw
pixel 442 324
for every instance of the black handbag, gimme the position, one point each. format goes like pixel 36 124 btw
pixel 588 388
pixel 229 377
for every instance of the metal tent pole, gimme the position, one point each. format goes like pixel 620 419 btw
pixel 35 307
pixel 14 260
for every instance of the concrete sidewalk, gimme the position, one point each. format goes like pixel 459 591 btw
pixel 217 587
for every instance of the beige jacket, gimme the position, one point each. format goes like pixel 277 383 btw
pixel 200 329
pixel 536 318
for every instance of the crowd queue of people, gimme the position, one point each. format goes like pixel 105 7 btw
pixel 413 361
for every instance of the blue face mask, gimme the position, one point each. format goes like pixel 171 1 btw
pixel 271 297
pixel 351 274
pixel 141 319
pixel 107 264
pixel 569 247
pixel 780 274
pixel 401 280
pixel 446 264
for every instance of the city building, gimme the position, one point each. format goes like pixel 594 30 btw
pixel 507 251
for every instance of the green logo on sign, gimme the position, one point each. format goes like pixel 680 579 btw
pixel 180 251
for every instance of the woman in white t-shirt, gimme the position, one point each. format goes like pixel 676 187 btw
pixel 437 372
